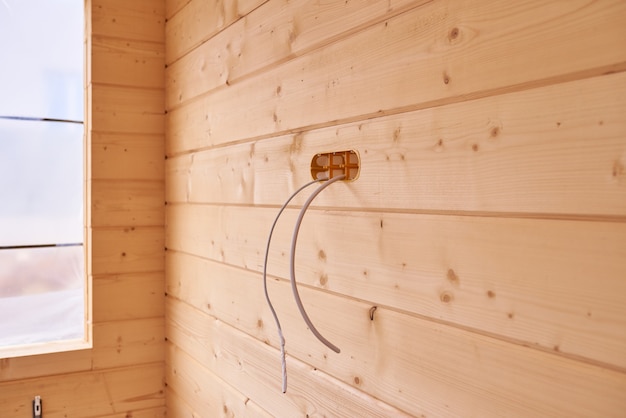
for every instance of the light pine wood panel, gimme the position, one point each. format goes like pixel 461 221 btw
pixel 124 103
pixel 127 202
pixel 559 149
pixel 177 407
pixel 116 344
pixel 129 342
pixel 197 387
pixel 87 394
pixel 474 268
pixel 430 55
pixel 126 91
pixel 126 62
pixel 199 20
pixel 271 34
pixel 141 20
pixel 127 110
pixel 247 364
pixel 146 413
pixel 127 250
pixel 128 296
pixel 17 368
pixel 207 394
pixel 416 365
pixel 556 284
pixel 174 6
pixel 127 156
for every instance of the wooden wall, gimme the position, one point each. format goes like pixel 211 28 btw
pixel 478 265
pixel 122 376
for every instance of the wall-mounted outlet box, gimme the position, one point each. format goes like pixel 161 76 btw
pixel 327 165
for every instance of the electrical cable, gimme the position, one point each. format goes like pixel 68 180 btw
pixel 292 273
pixel 292 268
pixel 267 296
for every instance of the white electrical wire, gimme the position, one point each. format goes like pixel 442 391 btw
pixel 267 296
pixel 294 288
pixel 292 268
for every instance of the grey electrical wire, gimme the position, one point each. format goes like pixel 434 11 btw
pixel 267 296
pixel 292 267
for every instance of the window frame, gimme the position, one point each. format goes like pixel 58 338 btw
pixel 85 343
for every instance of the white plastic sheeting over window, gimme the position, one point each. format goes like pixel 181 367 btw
pixel 42 280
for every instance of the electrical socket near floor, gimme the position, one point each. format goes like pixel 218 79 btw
pixel 37 407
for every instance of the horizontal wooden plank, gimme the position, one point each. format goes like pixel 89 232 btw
pixel 176 407
pixel 127 156
pixel 207 394
pixel 427 56
pixel 116 344
pixel 127 250
pixel 141 389
pixel 271 34
pixel 554 150
pixel 127 62
pixel 414 364
pixel 142 413
pixel 128 296
pixel 142 20
pixel 17 368
pixel 174 6
pixel 127 202
pixel 555 284
pixel 246 364
pixel 199 20
pixel 89 394
pixel 128 343
pixel 126 110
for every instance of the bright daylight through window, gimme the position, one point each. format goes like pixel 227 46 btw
pixel 42 278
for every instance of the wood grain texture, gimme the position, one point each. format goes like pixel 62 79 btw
pixel 247 365
pixel 141 20
pixel 127 110
pixel 91 394
pixel 553 150
pixel 128 342
pixel 135 156
pixel 125 93
pixel 145 413
pixel 556 285
pixel 116 344
pixel 427 56
pixel 19 368
pixel 414 364
pixel 272 34
pixel 475 267
pixel 127 202
pixel 199 20
pixel 128 296
pixel 207 394
pixel 126 62
pixel 177 407
pixel 174 6
pixel 123 375
pixel 127 250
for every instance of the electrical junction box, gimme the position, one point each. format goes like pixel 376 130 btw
pixel 327 165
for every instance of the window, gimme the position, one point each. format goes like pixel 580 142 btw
pixel 43 285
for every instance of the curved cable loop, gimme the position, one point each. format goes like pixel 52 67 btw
pixel 267 296
pixel 292 268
